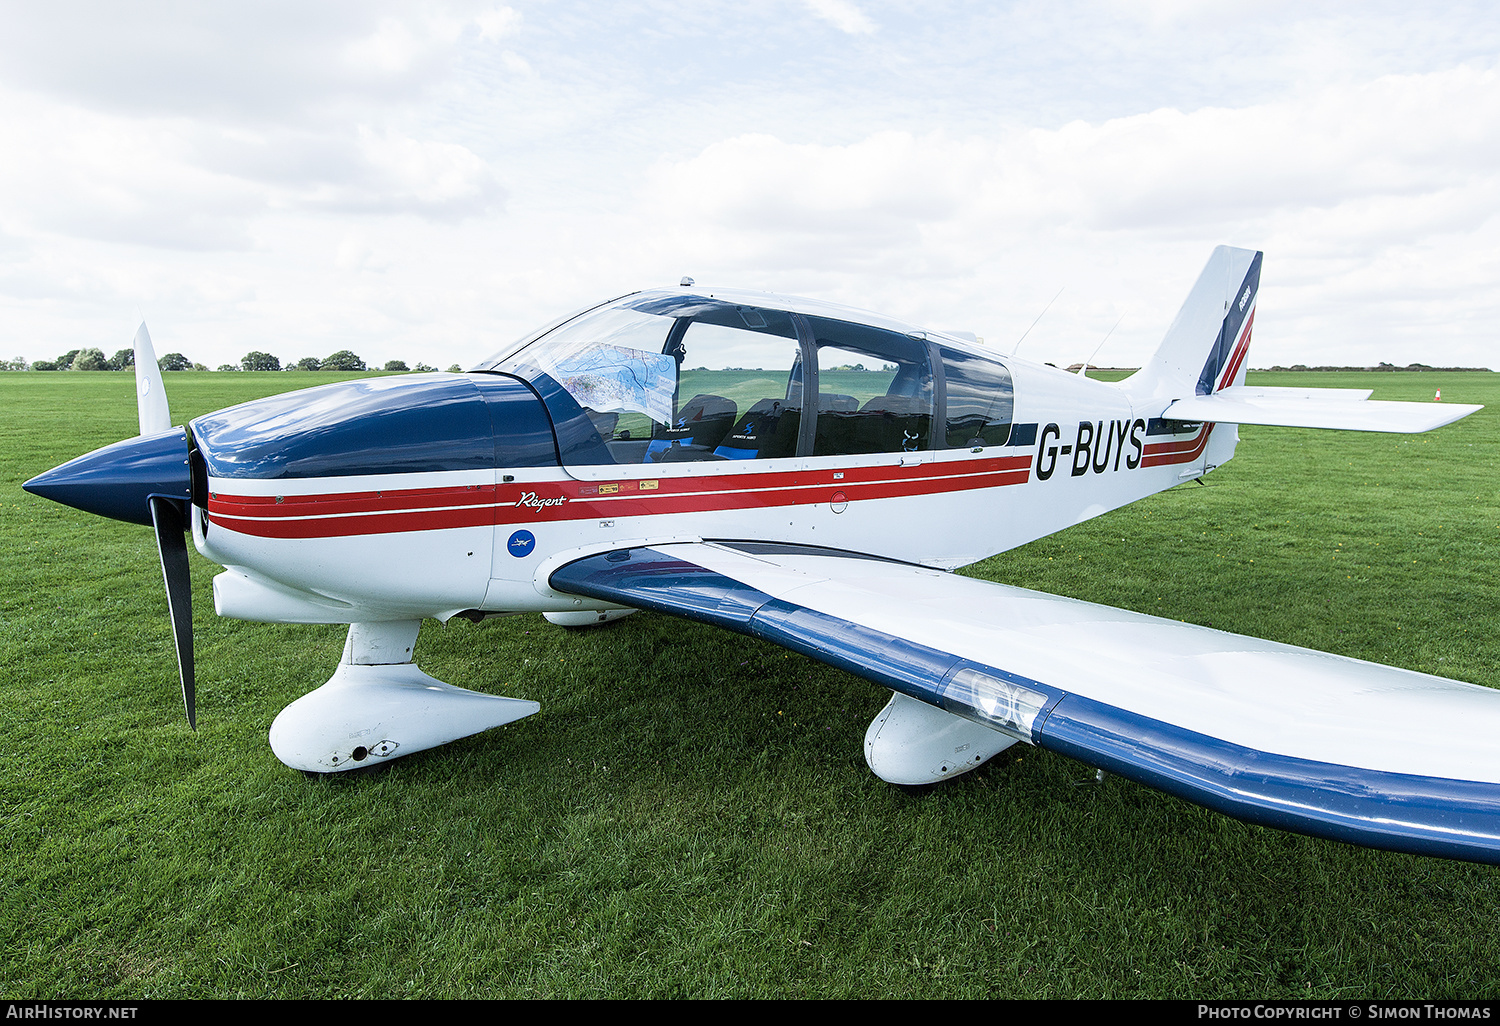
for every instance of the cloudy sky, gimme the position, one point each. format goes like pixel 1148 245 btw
pixel 426 182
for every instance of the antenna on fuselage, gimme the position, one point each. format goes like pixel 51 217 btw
pixel 1084 369
pixel 1017 348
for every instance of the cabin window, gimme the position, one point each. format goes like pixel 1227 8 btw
pixel 874 390
pixel 738 388
pixel 666 379
pixel 979 401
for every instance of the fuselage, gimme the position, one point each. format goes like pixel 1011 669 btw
pixel 676 414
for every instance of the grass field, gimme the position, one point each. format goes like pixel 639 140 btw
pixel 690 814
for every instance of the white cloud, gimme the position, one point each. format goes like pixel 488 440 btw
pixel 1398 137
pixel 1401 172
pixel 167 182
pixel 79 173
pixel 888 183
pixel 843 15
pixel 497 23
pixel 238 62
pixel 392 48
pixel 412 36
pixel 437 179
pixel 516 64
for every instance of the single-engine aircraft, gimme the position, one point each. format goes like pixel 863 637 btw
pixel 808 474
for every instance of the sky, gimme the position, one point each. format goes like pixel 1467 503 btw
pixel 427 182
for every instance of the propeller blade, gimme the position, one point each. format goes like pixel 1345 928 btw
pixel 150 396
pixel 171 525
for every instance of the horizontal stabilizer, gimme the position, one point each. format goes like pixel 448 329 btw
pixel 1281 392
pixel 1343 409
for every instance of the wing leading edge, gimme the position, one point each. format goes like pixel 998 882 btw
pixel 1268 733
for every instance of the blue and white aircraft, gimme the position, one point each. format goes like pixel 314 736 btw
pixel 808 474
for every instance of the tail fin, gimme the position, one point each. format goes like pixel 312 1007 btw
pixel 1204 349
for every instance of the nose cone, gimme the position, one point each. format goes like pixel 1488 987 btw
pixel 118 480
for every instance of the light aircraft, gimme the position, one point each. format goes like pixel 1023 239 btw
pixel 808 474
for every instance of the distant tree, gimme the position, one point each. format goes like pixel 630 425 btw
pixel 396 365
pixel 455 369
pixel 45 365
pixel 124 359
pixel 89 360
pixel 65 361
pixel 229 367
pixel 343 360
pixel 198 367
pixel 174 362
pixel 422 368
pixel 19 363
pixel 258 361
pixel 309 363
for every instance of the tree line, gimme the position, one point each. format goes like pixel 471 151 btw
pixel 1419 367
pixel 124 359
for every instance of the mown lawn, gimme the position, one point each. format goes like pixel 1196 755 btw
pixel 690 814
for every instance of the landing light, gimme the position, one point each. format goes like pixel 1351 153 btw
pixel 1004 706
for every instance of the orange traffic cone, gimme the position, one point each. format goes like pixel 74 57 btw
pixel 1438 396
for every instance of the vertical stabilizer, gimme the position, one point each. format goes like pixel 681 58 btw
pixel 1204 349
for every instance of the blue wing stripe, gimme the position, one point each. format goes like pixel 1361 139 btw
pixel 1457 819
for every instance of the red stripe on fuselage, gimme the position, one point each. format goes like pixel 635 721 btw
pixel 344 526
pixel 261 506
pixel 428 509
pixel 1166 453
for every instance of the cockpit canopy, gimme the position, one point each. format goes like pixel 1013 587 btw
pixel 673 376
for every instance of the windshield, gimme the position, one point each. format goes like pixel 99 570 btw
pixel 667 378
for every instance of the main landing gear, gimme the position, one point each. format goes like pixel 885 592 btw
pixel 911 743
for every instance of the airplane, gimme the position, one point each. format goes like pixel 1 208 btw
pixel 808 474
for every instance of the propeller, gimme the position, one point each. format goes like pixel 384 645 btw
pixel 143 480
pixel 170 521
pixel 169 518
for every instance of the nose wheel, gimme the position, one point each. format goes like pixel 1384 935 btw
pixel 378 706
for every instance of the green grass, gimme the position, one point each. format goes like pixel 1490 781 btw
pixel 690 814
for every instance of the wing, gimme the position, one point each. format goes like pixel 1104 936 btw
pixel 1268 733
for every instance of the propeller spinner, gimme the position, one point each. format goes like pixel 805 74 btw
pixel 142 480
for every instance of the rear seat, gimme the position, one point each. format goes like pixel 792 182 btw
pixel 767 430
